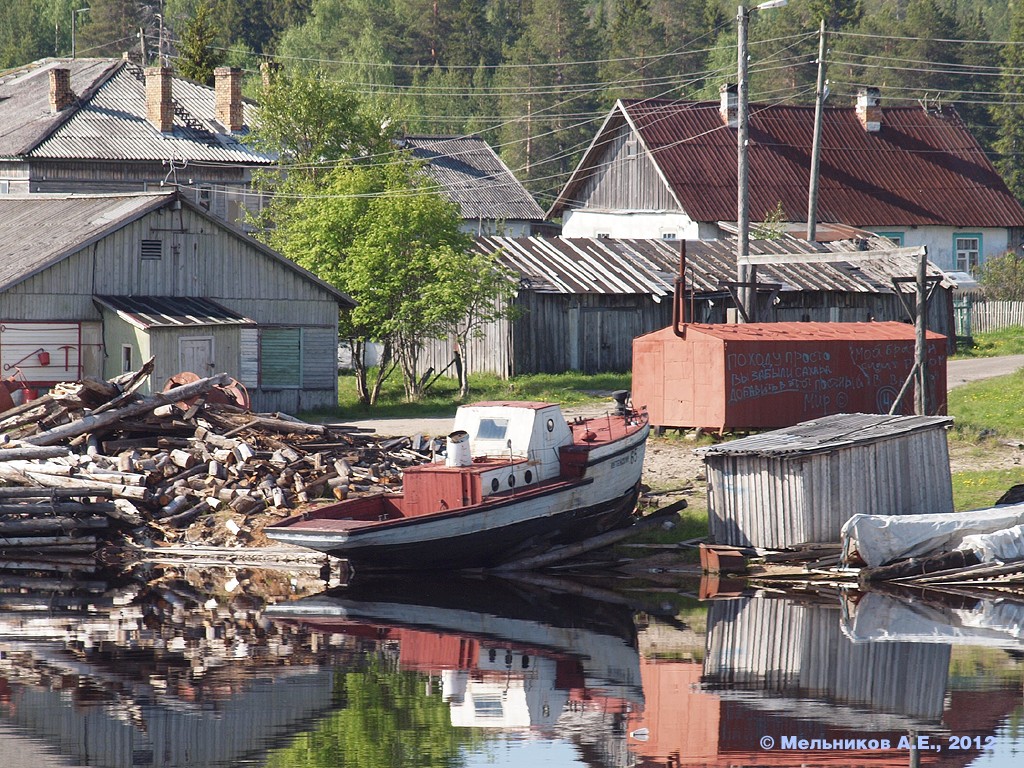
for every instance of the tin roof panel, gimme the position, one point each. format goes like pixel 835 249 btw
pixel 826 434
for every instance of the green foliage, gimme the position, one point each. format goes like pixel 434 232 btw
pixel 1009 115
pixel 197 54
pixel 773 226
pixel 109 28
pixel 572 388
pixel 389 718
pixel 311 122
pixel 1007 341
pixel 1002 277
pixel 22 33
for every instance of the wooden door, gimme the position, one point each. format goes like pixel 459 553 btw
pixel 195 354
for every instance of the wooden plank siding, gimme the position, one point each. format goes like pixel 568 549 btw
pixel 96 176
pixel 198 258
pixel 554 333
pixel 626 179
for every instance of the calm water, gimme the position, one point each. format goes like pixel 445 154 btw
pixel 210 667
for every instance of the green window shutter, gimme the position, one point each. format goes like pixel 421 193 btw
pixel 281 357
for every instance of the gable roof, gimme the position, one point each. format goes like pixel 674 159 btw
pixel 622 266
pixel 30 243
pixel 471 175
pixel 107 120
pixel 921 168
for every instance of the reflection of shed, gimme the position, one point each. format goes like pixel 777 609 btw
pixel 797 485
pixel 806 656
pixel 763 375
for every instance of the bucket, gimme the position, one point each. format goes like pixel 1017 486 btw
pixel 458 454
pixel 29 394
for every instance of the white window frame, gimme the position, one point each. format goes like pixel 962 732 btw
pixel 967 259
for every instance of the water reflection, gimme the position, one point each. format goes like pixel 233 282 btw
pixel 216 667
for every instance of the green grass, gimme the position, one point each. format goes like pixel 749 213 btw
pixel 989 407
pixel 977 490
pixel 1008 341
pixel 443 396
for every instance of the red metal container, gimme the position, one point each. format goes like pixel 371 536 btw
pixel 770 375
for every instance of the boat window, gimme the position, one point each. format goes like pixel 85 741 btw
pixel 492 429
pixel 488 705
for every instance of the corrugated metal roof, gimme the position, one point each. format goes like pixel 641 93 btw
pixel 619 266
pixel 29 241
pixel 473 177
pixel 160 311
pixel 790 332
pixel 826 434
pixel 108 121
pixel 922 167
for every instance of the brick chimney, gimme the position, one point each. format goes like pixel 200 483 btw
pixel 159 109
pixel 729 104
pixel 61 95
pixel 869 109
pixel 227 93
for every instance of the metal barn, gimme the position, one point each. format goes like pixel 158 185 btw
pixel 794 486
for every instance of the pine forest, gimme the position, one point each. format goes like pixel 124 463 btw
pixel 536 78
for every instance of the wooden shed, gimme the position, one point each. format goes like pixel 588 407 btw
pixel 132 276
pixel 582 301
pixel 781 489
pixel 764 375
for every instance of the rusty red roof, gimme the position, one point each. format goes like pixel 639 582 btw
pixel 881 331
pixel 922 167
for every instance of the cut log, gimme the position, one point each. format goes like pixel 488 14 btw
pixel 96 422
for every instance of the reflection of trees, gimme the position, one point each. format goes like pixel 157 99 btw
pixel 387 718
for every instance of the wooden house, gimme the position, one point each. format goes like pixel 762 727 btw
pixel 582 301
pixel 108 125
pixel 93 285
pixel 467 171
pixel 667 169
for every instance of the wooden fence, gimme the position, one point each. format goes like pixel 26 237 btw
pixel 978 316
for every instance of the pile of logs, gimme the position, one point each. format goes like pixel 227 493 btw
pixel 90 463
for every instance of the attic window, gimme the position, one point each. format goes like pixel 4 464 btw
pixel 152 250
pixel 668 235
pixel 631 148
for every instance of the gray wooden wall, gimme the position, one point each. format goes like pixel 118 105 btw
pixel 203 259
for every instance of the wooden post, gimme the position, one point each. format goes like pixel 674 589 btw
pixel 920 339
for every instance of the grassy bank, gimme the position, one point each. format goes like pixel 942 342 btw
pixel 442 398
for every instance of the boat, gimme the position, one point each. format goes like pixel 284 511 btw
pixel 517 478
pixel 507 653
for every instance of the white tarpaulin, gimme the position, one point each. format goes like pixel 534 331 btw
pixel 1003 546
pixel 879 617
pixel 881 539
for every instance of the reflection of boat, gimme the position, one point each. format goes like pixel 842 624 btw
pixel 507 655
pixel 516 477
pixel 878 617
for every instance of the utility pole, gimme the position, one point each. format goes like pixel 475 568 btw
pixel 74 15
pixel 745 273
pixel 920 337
pixel 819 105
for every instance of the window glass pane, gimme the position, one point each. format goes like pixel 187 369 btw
pixel 492 429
